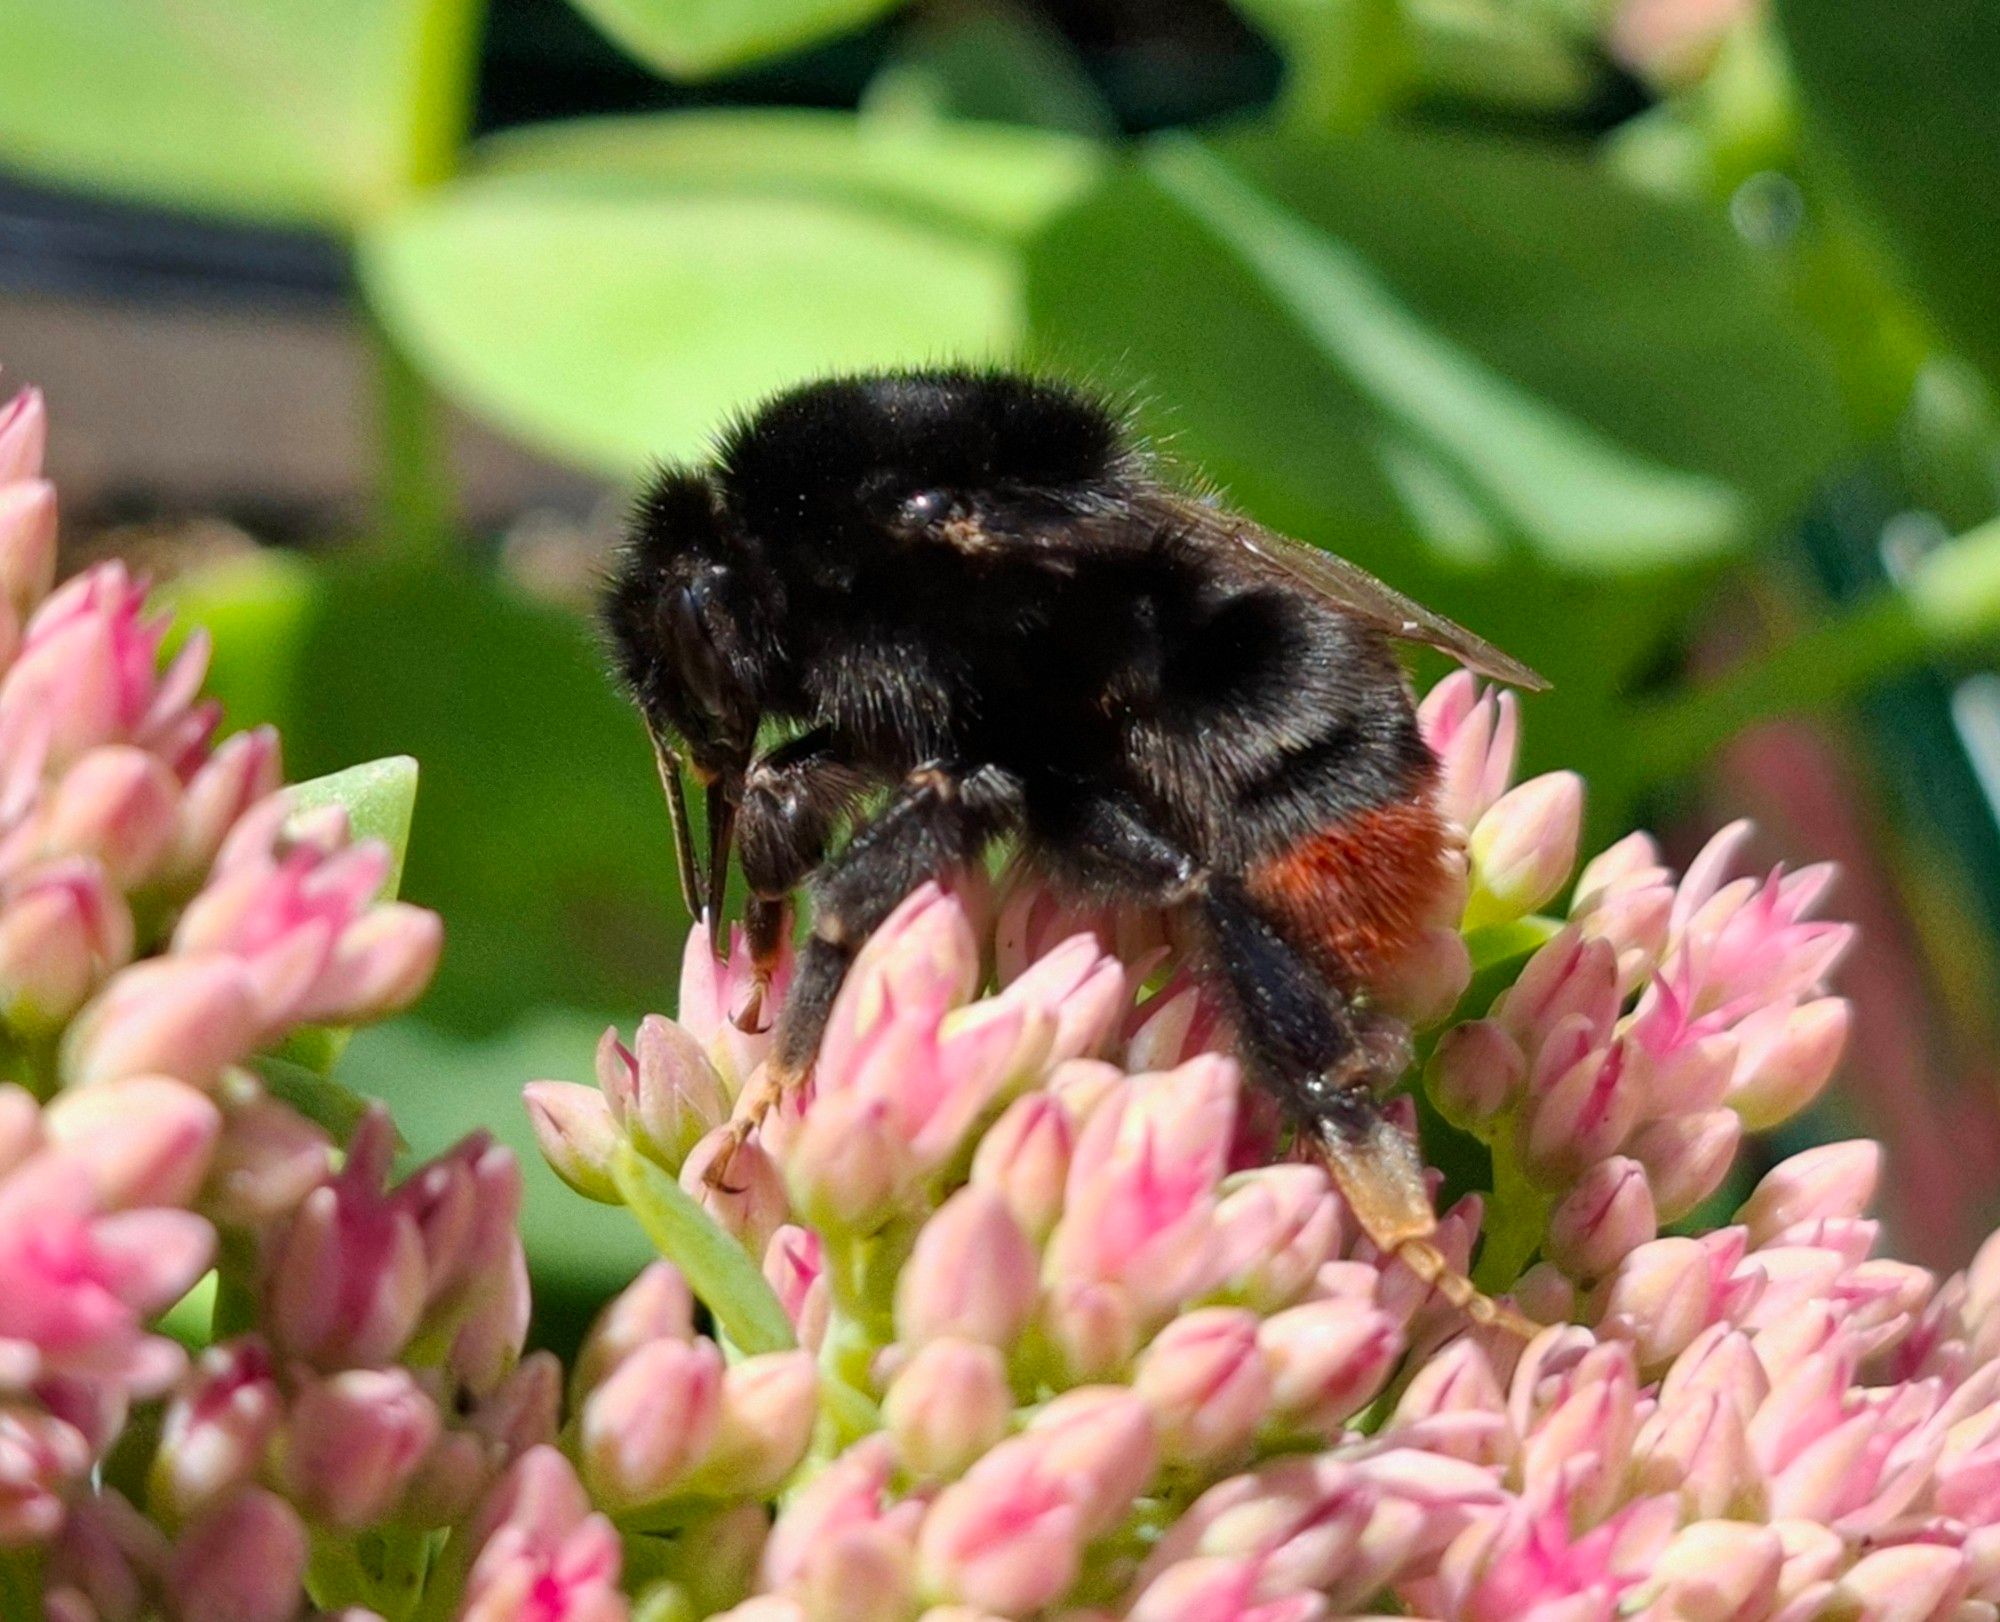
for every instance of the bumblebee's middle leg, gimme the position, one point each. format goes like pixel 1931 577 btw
pixel 938 820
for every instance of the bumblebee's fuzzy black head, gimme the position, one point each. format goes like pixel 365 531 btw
pixel 689 613
pixel 854 457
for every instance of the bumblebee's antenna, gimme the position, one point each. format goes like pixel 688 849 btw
pixel 669 765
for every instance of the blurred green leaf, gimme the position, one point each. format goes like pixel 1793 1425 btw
pixel 1905 104
pixel 689 39
pixel 320 111
pixel 542 839
pixel 995 62
pixel 314 1094
pixel 1490 355
pixel 380 797
pixel 613 293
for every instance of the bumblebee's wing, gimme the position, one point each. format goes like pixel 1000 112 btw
pixel 1347 586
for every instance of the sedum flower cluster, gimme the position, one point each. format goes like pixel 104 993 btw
pixel 1023 1311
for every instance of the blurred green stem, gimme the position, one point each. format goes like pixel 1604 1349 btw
pixel 1948 604
pixel 443 58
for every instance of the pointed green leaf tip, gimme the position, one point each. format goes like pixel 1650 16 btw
pixel 380 798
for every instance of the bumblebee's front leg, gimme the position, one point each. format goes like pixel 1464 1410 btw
pixel 939 819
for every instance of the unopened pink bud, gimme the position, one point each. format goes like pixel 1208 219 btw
pixel 1475 735
pixel 177 1016
pixel 63 928
pixel 1686 1157
pixel 795 1268
pixel 1206 1381
pixel 848 1165
pixel 1007 1537
pixel 1327 1359
pixel 1024 1158
pixel 1474 1072
pixel 676 1098
pixel 863 1573
pixel 245 1560
pixel 1573 979
pixel 270 1158
pixel 1422 986
pixel 27 548
pixel 1276 1227
pixel 541 1554
pixel 1698 1450
pixel 1101 1442
pixel 1081 989
pixel 576 1134
pixel 1523 848
pixel 1584 1116
pixel 1831 1181
pixel 657 1305
pixel 948 1405
pixel 217 1429
pixel 1094 1328
pixel 1718 1571
pixel 1609 1213
pixel 651 1421
pixel 353 1442
pixel 763 1426
pixel 382 962
pixel 145 1140
pixel 1785 1056
pixel 244 770
pixel 971 1276
pixel 1183 1018
pixel 1635 924
pixel 1900 1584
pixel 739 1185
pixel 24 436
pixel 119 806
pixel 1659 1299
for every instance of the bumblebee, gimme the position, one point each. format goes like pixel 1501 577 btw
pixel 976 605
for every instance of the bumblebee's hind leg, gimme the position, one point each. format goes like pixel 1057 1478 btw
pixel 1322 1058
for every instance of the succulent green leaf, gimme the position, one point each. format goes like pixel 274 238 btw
pixel 690 39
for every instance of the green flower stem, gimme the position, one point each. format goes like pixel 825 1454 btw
pixel 716 1267
pixel 1948 605
pixel 1517 1220
pixel 415 494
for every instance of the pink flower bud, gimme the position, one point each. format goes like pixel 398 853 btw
pixel 848 1166
pixel 542 1556
pixel 948 1405
pixel 63 928
pixel 245 1560
pixel 1214 1589
pixel 243 770
pixel 1327 1359
pixel 1007 1537
pixel 176 1016
pixel 103 1562
pixel 1474 734
pixel 847 1495
pixel 1276 1227
pixel 1024 1158
pixel 119 806
pixel 576 1134
pixel 1609 1213
pixel 24 436
pixel 1831 1181
pixel 1903 1583
pixel 524 1410
pixel 764 1424
pixel 353 1442
pixel 971 1275
pixel 27 551
pixel 1093 1327
pixel 382 962
pixel 1523 848
pixel 1572 979
pixel 1718 1571
pixel 1474 1072
pixel 1182 1019
pixel 1698 1449
pixel 42 1461
pixel 861 1573
pixel 1206 1381
pixel 1100 1442
pixel 1080 989
pixel 217 1429
pixel 651 1421
pixel 714 994
pixel 1584 1116
pixel 1786 1055
pixel 347 1279
pixel 270 1158
pixel 1686 1157
pixel 676 1096
pixel 1422 985
pixel 747 1199
pixel 145 1140
pixel 657 1305
pixel 1659 1299
pixel 795 1268
pixel 1634 922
